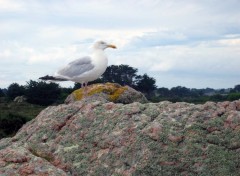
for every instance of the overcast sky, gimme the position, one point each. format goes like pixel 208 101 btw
pixel 192 43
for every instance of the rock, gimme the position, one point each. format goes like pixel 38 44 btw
pixel 111 92
pixel 97 137
pixel 20 99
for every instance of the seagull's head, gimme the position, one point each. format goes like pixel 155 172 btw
pixel 103 45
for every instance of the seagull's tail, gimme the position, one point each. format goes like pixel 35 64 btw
pixel 52 78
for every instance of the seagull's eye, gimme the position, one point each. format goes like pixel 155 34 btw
pixel 102 43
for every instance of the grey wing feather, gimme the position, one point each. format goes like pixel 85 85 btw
pixel 77 67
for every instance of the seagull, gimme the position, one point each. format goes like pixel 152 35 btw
pixel 84 69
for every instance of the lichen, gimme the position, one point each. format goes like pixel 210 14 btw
pixel 78 94
pixel 66 149
pixel 117 93
pixel 112 90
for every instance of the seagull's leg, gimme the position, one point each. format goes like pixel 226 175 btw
pixel 84 87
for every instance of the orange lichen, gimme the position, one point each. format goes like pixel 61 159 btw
pixel 117 93
pixel 111 89
pixel 78 94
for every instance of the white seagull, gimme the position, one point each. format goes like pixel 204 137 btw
pixel 85 69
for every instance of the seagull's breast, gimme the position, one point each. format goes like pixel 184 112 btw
pixel 100 62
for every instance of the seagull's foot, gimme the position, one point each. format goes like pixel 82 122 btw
pixel 85 91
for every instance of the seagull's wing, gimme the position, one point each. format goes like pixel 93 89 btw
pixel 76 68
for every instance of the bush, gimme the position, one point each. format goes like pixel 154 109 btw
pixel 217 98
pixel 1 93
pixel 10 124
pixel 233 96
pixel 15 90
pixel 42 93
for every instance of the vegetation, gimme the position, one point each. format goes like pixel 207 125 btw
pixel 44 94
pixel 122 74
pixel 179 94
pixel 41 94
pixel 14 115
pixel 1 93
pixel 15 90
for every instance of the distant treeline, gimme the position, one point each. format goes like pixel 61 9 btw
pixel 42 93
pixel 179 94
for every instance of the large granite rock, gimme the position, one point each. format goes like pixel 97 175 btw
pixel 103 138
pixel 20 99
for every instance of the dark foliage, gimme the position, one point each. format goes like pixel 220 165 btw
pixel 14 115
pixel 145 83
pixel 181 91
pixel 15 90
pixel 10 124
pixel 121 74
pixel 42 93
pixel 236 89
pixel 1 93
pixel 63 95
pixel 233 96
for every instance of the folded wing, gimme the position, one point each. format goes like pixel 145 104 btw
pixel 76 68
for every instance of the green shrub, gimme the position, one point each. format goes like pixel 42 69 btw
pixel 15 90
pixel 42 93
pixel 233 96
pixel 10 124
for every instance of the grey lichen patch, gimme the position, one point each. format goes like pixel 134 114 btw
pixel 67 149
pixel 104 138
pixel 151 110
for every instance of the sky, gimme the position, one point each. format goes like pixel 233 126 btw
pixel 189 43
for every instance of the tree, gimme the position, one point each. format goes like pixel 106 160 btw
pixel 163 92
pixel 1 93
pixel 64 94
pixel 217 97
pixel 145 83
pixel 236 88
pixel 121 74
pixel 42 93
pixel 180 91
pixel 15 90
pixel 196 92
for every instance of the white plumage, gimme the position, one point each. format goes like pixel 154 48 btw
pixel 85 69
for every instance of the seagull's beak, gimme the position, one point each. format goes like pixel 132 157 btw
pixel 111 46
